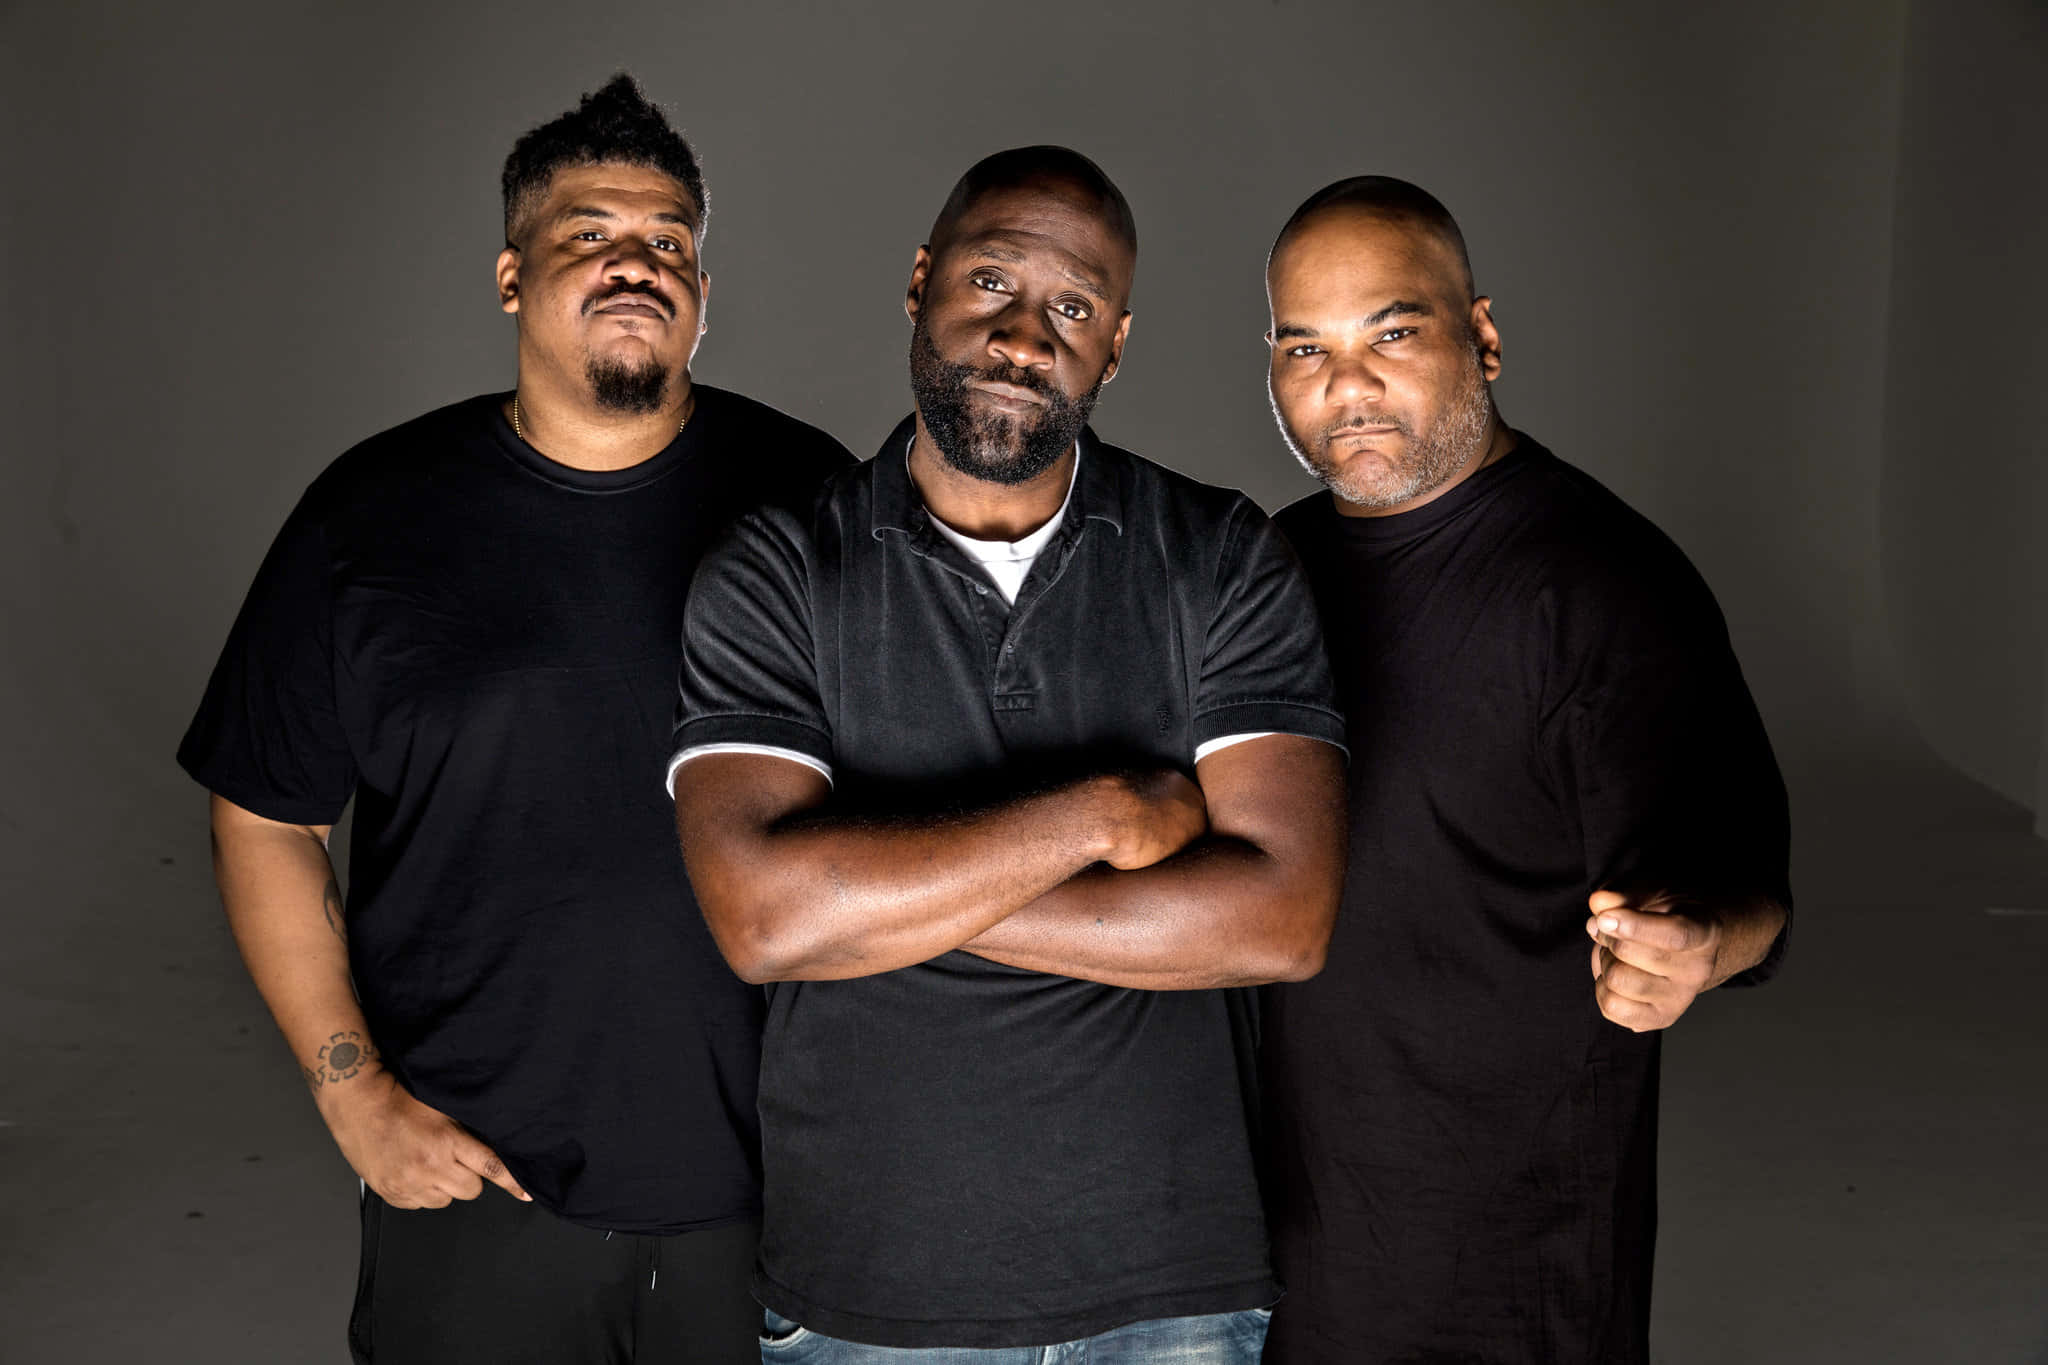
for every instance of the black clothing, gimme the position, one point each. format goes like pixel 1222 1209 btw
pixel 1542 702
pixel 492 1281
pixel 963 1153
pixel 480 645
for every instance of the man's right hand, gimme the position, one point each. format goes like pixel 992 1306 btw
pixel 1154 816
pixel 412 1155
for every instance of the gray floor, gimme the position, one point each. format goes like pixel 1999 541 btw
pixel 1852 1158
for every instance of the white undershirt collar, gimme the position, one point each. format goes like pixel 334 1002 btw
pixel 1007 562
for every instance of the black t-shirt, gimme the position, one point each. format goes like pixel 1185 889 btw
pixel 960 1152
pixel 1542 701
pixel 480 645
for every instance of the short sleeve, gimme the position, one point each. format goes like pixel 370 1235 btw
pixel 268 734
pixel 1264 668
pixel 1652 736
pixel 749 673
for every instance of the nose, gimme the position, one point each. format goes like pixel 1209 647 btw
pixel 1350 379
pixel 1021 339
pixel 631 259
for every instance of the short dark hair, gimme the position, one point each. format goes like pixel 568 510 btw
pixel 615 123
pixel 1389 198
pixel 1021 165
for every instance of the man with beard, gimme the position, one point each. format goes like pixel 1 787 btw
pixel 931 782
pixel 1553 744
pixel 470 623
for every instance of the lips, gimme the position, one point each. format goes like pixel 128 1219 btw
pixel 631 303
pixel 1012 396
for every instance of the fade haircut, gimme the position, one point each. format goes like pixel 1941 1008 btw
pixel 1023 166
pixel 615 124
pixel 1395 200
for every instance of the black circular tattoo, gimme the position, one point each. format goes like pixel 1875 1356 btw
pixel 342 1056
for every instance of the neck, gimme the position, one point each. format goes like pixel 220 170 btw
pixel 565 424
pixel 981 510
pixel 1500 439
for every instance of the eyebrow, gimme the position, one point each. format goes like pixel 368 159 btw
pixel 1399 308
pixel 606 215
pixel 1010 255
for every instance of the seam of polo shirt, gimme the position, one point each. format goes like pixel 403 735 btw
pixel 1236 521
pixel 1229 702
pixel 753 715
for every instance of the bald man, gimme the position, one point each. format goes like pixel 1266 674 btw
pixel 1010 764
pixel 1566 823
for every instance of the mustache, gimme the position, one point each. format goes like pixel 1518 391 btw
pixel 646 291
pixel 1034 380
pixel 1385 419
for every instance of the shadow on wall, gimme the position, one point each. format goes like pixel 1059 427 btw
pixel 1964 492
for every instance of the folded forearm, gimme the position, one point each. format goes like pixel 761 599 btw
pixel 822 897
pixel 1220 913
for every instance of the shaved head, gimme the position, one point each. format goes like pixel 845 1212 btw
pixel 1393 201
pixel 1055 169
pixel 1382 357
pixel 1019 305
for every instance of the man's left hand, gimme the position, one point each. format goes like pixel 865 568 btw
pixel 1651 959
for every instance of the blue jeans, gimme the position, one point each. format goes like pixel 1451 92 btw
pixel 1210 1339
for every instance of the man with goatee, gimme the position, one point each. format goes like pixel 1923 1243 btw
pixel 469 625
pixel 1566 823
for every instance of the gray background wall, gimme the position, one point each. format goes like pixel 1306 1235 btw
pixel 1963 562
pixel 1769 270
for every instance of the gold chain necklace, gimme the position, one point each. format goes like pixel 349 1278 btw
pixel 520 432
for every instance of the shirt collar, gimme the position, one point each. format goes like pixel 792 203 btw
pixel 1097 492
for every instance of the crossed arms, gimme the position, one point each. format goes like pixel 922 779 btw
pixel 1143 880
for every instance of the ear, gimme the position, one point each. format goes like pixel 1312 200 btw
pixel 703 316
pixel 920 271
pixel 1116 346
pixel 508 279
pixel 1488 337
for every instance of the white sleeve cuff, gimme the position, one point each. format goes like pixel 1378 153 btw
pixel 1210 746
pixel 699 750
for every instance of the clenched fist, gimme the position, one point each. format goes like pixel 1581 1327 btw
pixel 1651 960
pixel 1154 816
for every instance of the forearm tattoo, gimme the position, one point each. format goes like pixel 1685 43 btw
pixel 341 1058
pixel 331 902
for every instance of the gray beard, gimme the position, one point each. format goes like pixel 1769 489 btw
pixel 1431 460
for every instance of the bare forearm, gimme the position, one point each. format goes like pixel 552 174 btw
pixel 1220 913
pixel 1252 903
pixel 284 909
pixel 882 897
pixel 818 896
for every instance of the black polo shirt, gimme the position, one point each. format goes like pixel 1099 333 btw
pixel 960 1152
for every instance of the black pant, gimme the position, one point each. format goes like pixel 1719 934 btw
pixel 492 1281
